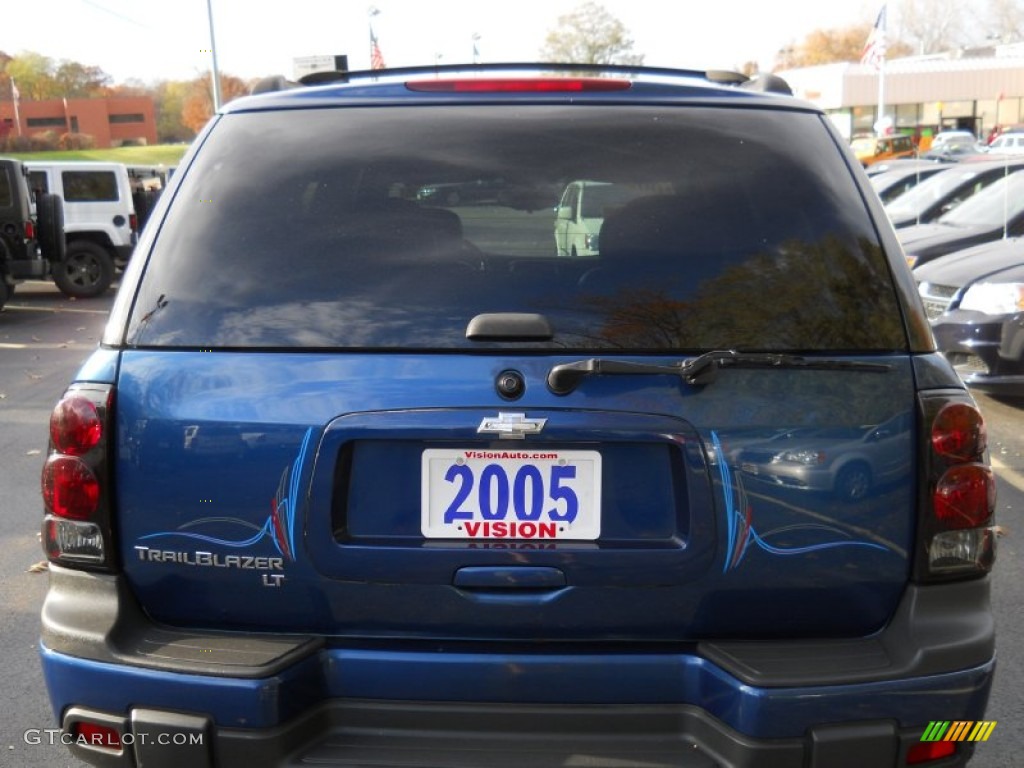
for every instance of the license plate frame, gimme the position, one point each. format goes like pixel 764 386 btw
pixel 485 494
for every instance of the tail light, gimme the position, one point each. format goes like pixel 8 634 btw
pixel 76 479
pixel 959 496
pixel 30 230
pixel 133 222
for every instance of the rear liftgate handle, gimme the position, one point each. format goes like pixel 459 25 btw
pixel 510 583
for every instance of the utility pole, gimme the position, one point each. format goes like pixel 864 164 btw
pixel 213 55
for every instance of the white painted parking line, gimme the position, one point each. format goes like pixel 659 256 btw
pixel 55 310
pixel 1014 478
pixel 74 346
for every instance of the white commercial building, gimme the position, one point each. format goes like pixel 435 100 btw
pixel 976 90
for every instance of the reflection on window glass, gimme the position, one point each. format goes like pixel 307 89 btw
pixel 6 197
pixel 639 229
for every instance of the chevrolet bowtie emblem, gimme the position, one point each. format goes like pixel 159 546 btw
pixel 511 426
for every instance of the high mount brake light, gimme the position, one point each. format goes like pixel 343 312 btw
pixel 519 85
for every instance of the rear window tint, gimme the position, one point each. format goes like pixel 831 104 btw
pixel 89 186
pixel 38 182
pixel 6 191
pixel 393 227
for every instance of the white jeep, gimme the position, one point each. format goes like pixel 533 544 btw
pixel 99 221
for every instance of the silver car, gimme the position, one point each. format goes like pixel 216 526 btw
pixel 850 462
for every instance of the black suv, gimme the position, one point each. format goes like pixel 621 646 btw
pixel 31 231
pixel 368 470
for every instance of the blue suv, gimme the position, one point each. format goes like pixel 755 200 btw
pixel 362 476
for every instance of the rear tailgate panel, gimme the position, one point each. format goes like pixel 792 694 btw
pixel 311 522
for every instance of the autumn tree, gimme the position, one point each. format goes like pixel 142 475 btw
pixel 80 81
pixel 39 77
pixel 169 105
pixel 32 73
pixel 197 105
pixel 590 35
pixel 829 46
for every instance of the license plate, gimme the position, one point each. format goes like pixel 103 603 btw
pixel 511 494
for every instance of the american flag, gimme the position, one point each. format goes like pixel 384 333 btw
pixel 873 54
pixel 376 57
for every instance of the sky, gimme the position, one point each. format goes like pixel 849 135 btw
pixel 152 40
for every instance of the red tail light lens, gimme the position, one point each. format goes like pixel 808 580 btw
pixel 133 222
pixel 928 752
pixel 30 230
pixel 70 488
pixel 75 426
pixel 965 496
pixel 519 85
pixel 958 433
pixel 96 735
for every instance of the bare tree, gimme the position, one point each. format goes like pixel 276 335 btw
pixel 590 35
pixel 1003 21
pixel 934 26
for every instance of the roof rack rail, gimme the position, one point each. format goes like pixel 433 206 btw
pixel 764 82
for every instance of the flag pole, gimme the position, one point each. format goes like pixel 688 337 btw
pixel 881 92
pixel 376 59
pixel 16 97
pixel 215 73
pixel 882 45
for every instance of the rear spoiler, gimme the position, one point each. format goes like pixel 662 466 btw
pixel 766 83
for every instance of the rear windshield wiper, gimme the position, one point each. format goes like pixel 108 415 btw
pixel 697 371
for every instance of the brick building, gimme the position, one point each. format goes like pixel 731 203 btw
pixel 110 122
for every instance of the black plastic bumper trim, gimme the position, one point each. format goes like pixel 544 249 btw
pixel 936 629
pixel 94 616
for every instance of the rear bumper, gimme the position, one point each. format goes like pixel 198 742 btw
pixel 271 700
pixel 443 735
pixel 28 269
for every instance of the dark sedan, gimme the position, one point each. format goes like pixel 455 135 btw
pixel 992 214
pixel 975 302
pixel 942 192
pixel 897 182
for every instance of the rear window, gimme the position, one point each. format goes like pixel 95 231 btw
pixel 6 192
pixel 992 207
pixel 38 182
pixel 89 186
pixel 393 227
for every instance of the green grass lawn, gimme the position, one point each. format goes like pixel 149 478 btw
pixel 160 154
